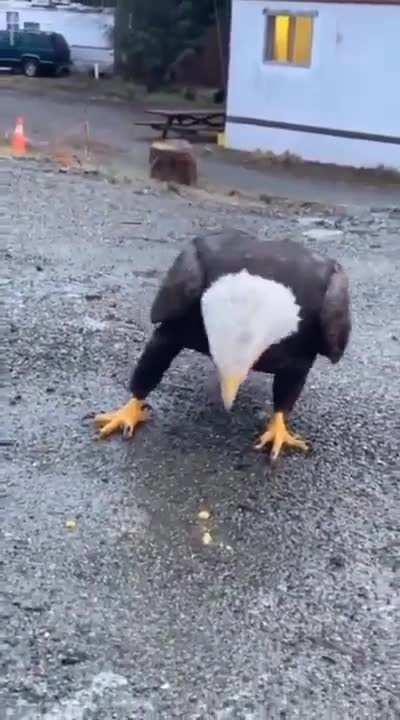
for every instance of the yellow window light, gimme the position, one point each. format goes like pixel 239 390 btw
pixel 289 39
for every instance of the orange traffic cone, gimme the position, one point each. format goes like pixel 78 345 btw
pixel 19 141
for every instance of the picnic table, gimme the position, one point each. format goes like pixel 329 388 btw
pixel 185 120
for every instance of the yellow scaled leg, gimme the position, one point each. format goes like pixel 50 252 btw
pixel 278 435
pixel 125 419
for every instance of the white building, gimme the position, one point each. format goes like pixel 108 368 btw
pixel 320 80
pixel 88 31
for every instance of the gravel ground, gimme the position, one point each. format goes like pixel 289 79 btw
pixel 111 606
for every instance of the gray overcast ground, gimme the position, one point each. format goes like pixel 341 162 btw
pixel 110 606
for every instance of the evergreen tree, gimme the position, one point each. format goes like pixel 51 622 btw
pixel 150 36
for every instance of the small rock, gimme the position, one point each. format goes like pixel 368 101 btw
pixel 93 296
pixel 328 659
pixel 7 611
pixel 90 170
pixel 33 603
pixel 306 221
pixel 323 234
pixel 244 507
pixel 242 464
pixel 337 562
pixel 73 658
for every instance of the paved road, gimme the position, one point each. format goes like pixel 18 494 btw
pixel 60 117
pixel 111 606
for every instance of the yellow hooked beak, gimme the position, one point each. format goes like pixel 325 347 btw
pixel 229 389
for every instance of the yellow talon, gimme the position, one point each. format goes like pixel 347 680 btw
pixel 125 419
pixel 278 434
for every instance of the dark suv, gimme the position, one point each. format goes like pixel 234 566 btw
pixel 34 51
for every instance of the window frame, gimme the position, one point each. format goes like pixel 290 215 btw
pixel 34 27
pixel 12 21
pixel 269 35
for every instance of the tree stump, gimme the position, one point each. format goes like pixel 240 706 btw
pixel 173 161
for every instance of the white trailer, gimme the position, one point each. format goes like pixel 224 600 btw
pixel 316 78
pixel 88 31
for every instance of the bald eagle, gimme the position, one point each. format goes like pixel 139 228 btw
pixel 267 306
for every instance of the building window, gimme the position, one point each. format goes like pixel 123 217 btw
pixel 289 39
pixel 32 26
pixel 12 20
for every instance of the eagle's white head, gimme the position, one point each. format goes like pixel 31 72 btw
pixel 244 315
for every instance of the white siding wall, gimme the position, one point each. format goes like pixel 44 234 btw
pixel 88 34
pixel 352 84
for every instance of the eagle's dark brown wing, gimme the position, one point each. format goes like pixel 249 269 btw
pixel 335 315
pixel 182 286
